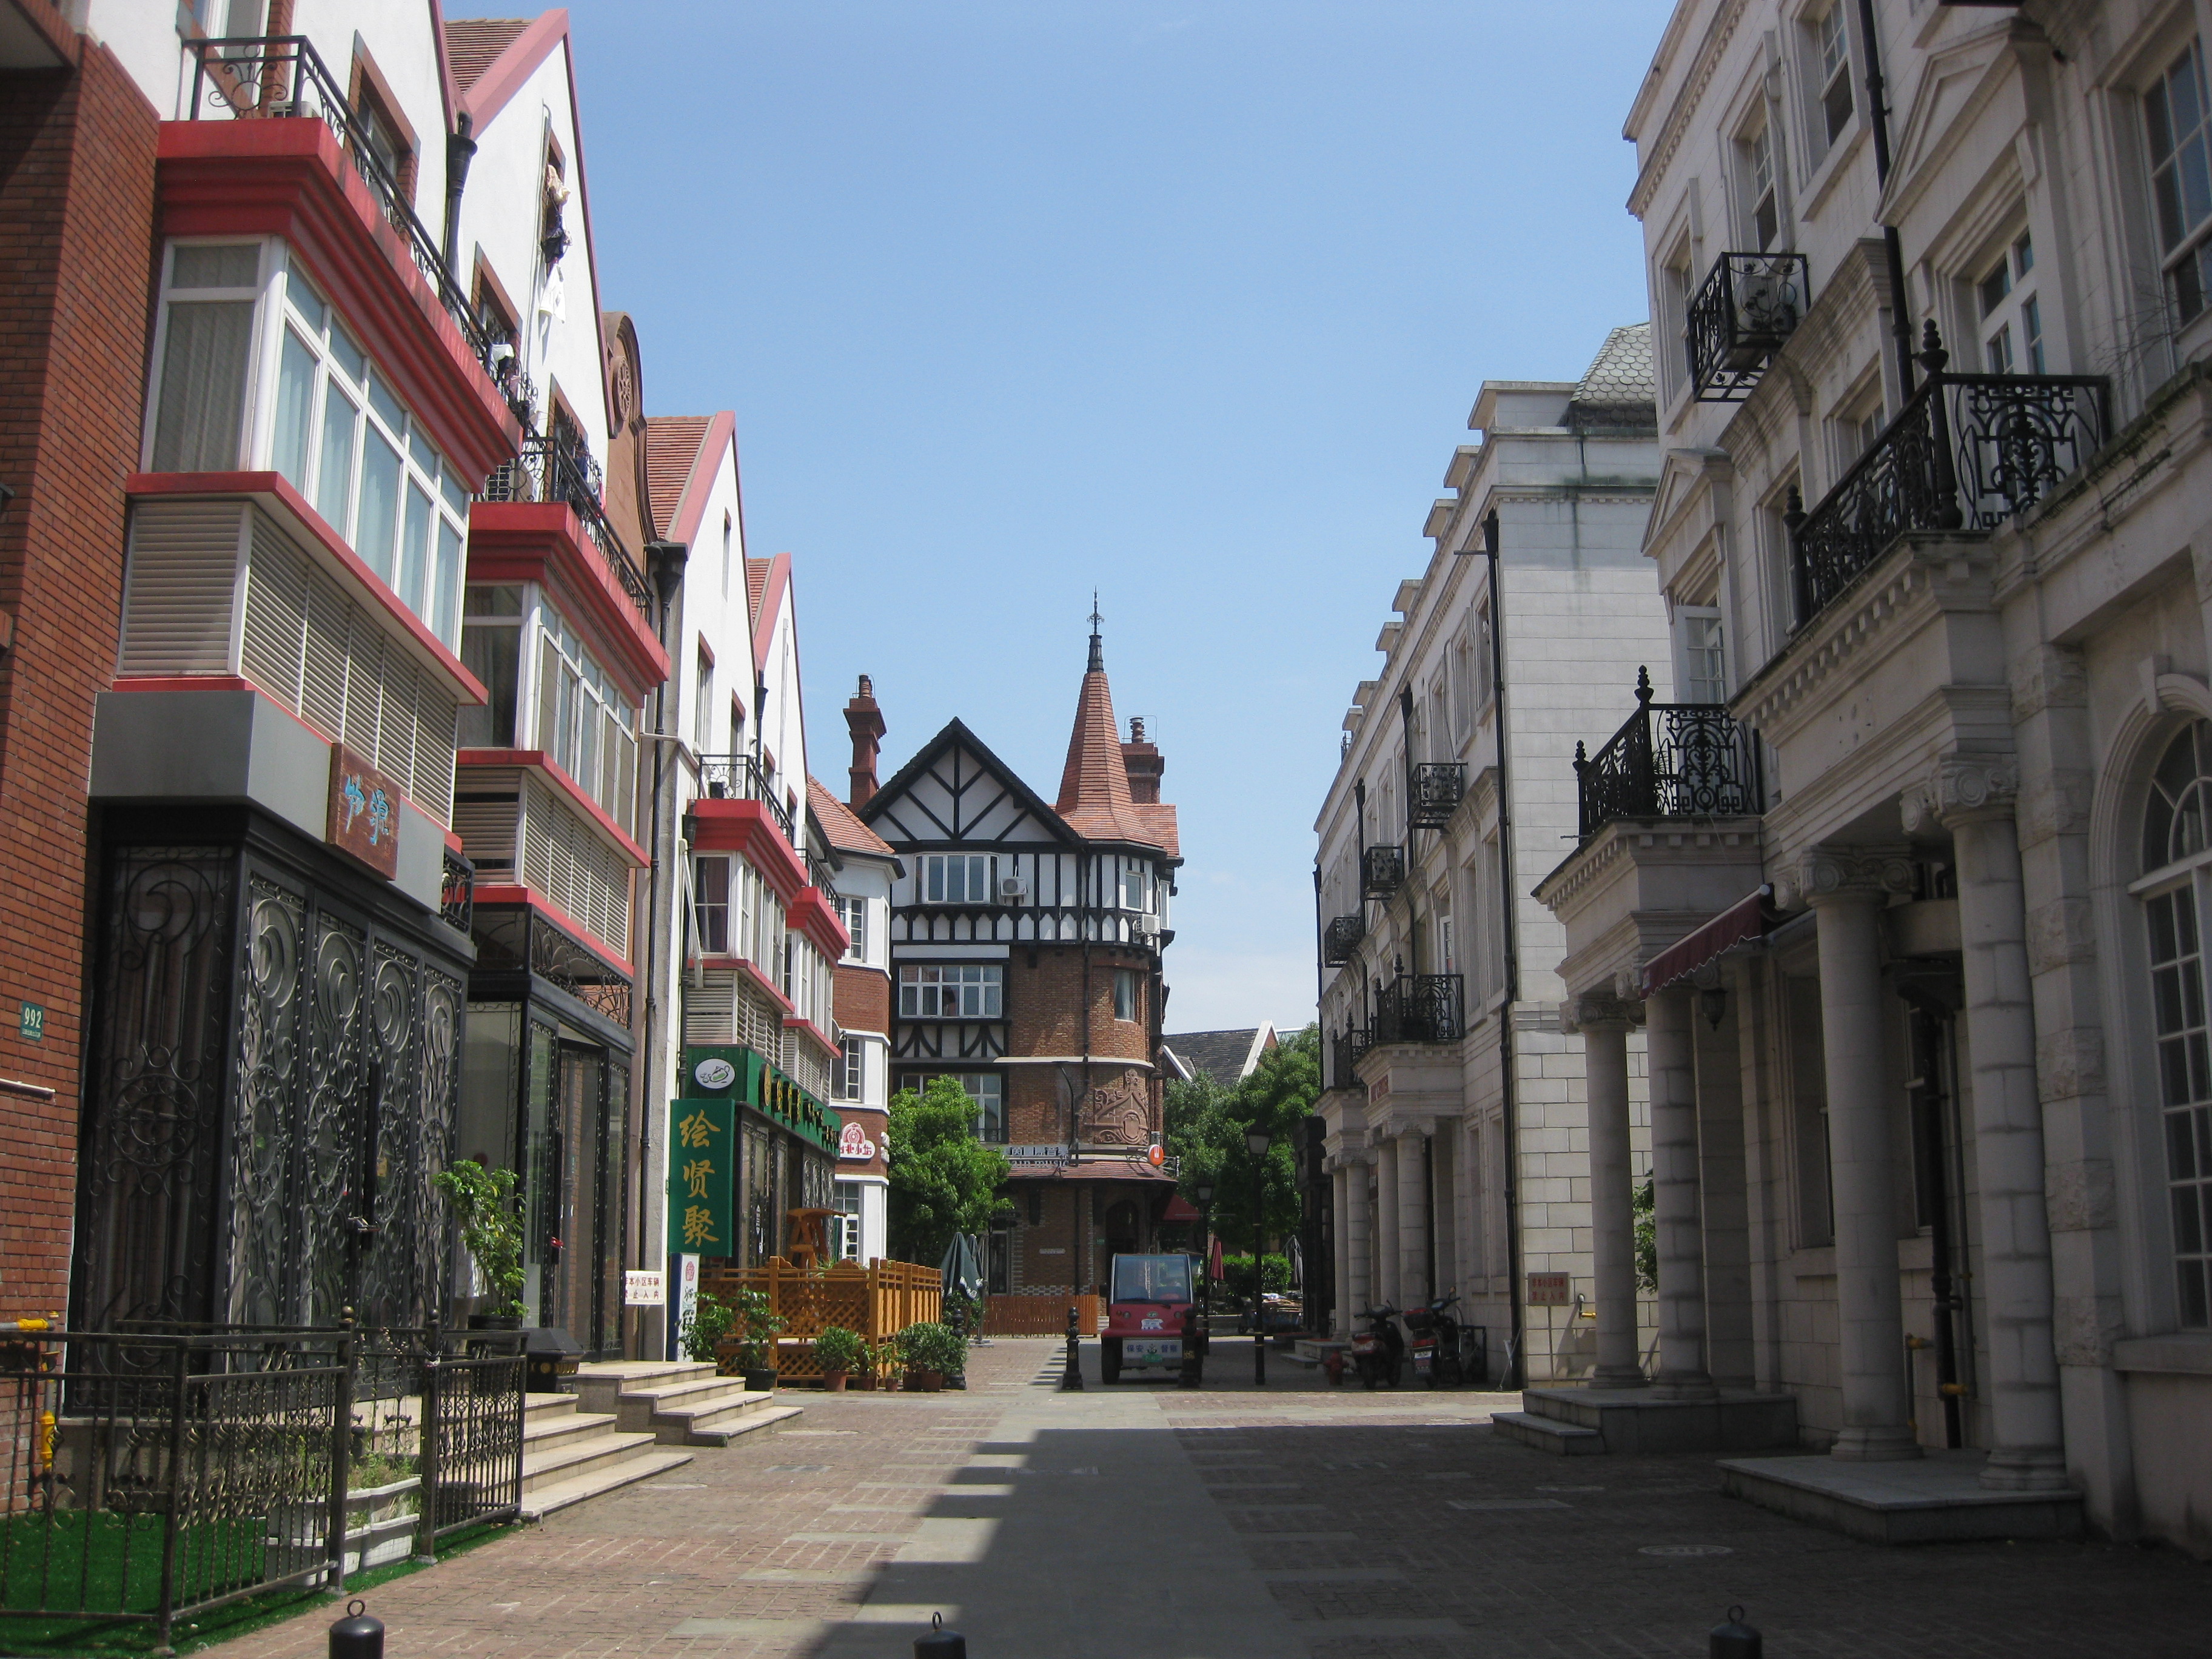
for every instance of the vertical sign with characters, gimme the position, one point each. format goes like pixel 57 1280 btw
pixel 702 1169
pixel 364 817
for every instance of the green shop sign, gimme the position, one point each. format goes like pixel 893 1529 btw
pixel 736 1073
pixel 702 1177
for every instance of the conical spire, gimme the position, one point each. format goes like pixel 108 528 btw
pixel 1094 784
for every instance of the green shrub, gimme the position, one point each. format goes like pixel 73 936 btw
pixel 710 1320
pixel 933 1347
pixel 490 1228
pixel 1236 1273
pixel 841 1350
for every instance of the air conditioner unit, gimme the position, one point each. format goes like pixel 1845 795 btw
pixel 1012 888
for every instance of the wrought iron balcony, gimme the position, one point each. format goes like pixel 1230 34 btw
pixel 1967 452
pixel 279 75
pixel 1341 937
pixel 818 877
pixel 549 470
pixel 739 777
pixel 1748 306
pixel 1382 871
pixel 1345 1049
pixel 1672 760
pixel 1421 1008
pixel 1434 790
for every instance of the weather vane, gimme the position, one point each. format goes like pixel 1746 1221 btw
pixel 1095 617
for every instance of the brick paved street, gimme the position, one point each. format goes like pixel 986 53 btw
pixel 1142 1521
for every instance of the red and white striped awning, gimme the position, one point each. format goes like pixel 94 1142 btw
pixel 1746 919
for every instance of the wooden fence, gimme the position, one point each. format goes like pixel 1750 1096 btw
pixel 1041 1316
pixel 877 1301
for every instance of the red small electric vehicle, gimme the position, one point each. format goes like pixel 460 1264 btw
pixel 1152 1319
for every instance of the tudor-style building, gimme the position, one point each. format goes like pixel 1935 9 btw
pixel 1025 945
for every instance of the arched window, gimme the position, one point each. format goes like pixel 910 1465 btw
pixel 2174 840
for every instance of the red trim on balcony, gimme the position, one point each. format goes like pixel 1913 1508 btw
pixel 532 899
pixel 745 826
pixel 751 971
pixel 274 492
pixel 807 1027
pixel 809 914
pixel 290 179
pixel 544 542
pixel 537 760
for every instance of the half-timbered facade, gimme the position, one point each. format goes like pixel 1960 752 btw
pixel 1026 946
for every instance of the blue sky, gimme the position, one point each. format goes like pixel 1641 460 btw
pixel 1186 302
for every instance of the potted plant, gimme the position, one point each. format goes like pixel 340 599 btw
pixel 757 1323
pixel 706 1328
pixel 840 1353
pixel 932 1353
pixel 888 1364
pixel 493 1234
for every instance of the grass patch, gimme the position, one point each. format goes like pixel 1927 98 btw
pixel 92 1639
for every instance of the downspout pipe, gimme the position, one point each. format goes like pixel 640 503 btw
pixel 1892 252
pixel 460 150
pixel 667 560
pixel 1518 1371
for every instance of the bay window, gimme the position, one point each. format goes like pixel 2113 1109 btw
pixel 710 904
pixel 952 990
pixel 586 724
pixel 491 649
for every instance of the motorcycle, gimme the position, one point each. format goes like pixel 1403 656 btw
pixel 1378 1353
pixel 1436 1346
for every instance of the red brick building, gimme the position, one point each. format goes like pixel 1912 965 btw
pixel 1026 943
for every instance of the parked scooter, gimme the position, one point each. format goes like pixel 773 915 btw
pixel 1435 1333
pixel 1378 1354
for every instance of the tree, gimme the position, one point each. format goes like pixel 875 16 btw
pixel 1206 1124
pixel 943 1179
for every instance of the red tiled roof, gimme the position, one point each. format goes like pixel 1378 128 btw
pixel 472 44
pixel 671 447
pixel 756 582
pixel 1094 784
pixel 846 833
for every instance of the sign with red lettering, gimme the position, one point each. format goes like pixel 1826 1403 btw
pixel 1550 1289
pixel 364 813
pixel 852 1142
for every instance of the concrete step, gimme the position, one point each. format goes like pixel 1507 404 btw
pixel 1549 1434
pixel 721 1431
pixel 573 1457
pixel 546 1433
pixel 601 1385
pixel 679 1404
pixel 539 1502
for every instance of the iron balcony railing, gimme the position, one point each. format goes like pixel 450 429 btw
pixel 739 777
pixel 818 877
pixel 269 76
pixel 1341 937
pixel 552 469
pixel 1966 452
pixel 1346 1048
pixel 1434 790
pixel 457 902
pixel 1748 306
pixel 1671 760
pixel 1421 1008
pixel 1382 871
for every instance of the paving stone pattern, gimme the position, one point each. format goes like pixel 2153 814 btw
pixel 1395 1525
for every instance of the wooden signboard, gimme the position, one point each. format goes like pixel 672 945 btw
pixel 702 1170
pixel 364 818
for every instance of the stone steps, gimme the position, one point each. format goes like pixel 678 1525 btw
pixel 679 1403
pixel 1548 1434
pixel 569 1455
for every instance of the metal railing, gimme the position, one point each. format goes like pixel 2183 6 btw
pixel 1670 760
pixel 1966 452
pixel 739 777
pixel 1346 1048
pixel 552 471
pixel 1382 871
pixel 1421 1008
pixel 1434 790
pixel 274 77
pixel 818 877
pixel 1747 307
pixel 457 893
pixel 1341 937
pixel 148 1476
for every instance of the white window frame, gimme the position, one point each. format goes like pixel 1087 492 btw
pixel 854 913
pixel 1128 997
pixel 934 877
pixel 1830 55
pixel 848 1080
pixel 2012 337
pixel 1698 628
pixel 2185 257
pixel 726 911
pixel 594 739
pixel 952 990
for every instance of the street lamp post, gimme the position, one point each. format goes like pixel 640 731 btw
pixel 1256 1142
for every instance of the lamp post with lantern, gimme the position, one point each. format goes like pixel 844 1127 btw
pixel 1256 1142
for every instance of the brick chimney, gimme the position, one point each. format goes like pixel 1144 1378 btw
pixel 1141 760
pixel 865 722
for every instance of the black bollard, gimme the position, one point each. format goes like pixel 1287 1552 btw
pixel 357 1636
pixel 941 1643
pixel 1734 1640
pixel 1071 1380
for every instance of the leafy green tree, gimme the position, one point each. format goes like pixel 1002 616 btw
pixel 1205 1128
pixel 943 1179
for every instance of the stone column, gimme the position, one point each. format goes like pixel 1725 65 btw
pixel 1847 887
pixel 1386 1221
pixel 1604 1024
pixel 1358 1253
pixel 1974 799
pixel 1413 1219
pixel 1340 1196
pixel 1669 1038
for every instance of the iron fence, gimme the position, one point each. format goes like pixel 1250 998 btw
pixel 1747 307
pixel 1966 452
pixel 1671 760
pixel 1341 939
pixel 1434 790
pixel 1345 1049
pixel 281 75
pixel 740 777
pixel 554 470
pixel 1421 1008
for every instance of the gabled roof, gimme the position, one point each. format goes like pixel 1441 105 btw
pixel 672 443
pixel 843 831
pixel 474 44
pixel 1094 783
pixel 768 585
pixel 956 732
pixel 1619 391
pixel 1227 1057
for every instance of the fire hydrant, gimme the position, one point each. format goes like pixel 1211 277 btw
pixel 1332 1362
